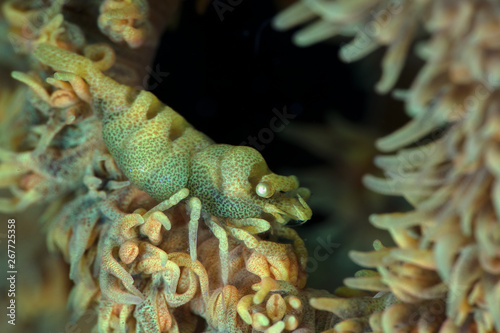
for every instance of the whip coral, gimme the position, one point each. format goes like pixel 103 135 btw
pixel 443 275
pixel 165 231
pixel 143 260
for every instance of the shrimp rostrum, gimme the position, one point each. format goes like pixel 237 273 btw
pixel 162 154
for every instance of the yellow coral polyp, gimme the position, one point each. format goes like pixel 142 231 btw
pixel 125 20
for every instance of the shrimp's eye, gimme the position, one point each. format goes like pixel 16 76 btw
pixel 264 190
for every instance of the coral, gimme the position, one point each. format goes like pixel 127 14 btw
pixel 125 21
pixel 146 276
pixel 446 167
pixel 31 23
pixel 212 252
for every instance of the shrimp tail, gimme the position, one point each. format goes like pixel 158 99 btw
pixel 63 60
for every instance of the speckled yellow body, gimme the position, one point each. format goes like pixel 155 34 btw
pixel 161 153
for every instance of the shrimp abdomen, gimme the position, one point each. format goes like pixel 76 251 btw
pixel 153 145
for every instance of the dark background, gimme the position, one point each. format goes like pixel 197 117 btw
pixel 226 77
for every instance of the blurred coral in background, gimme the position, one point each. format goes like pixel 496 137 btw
pixel 443 274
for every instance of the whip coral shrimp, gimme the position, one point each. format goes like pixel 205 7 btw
pixel 162 154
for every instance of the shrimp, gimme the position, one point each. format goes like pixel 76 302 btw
pixel 165 156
